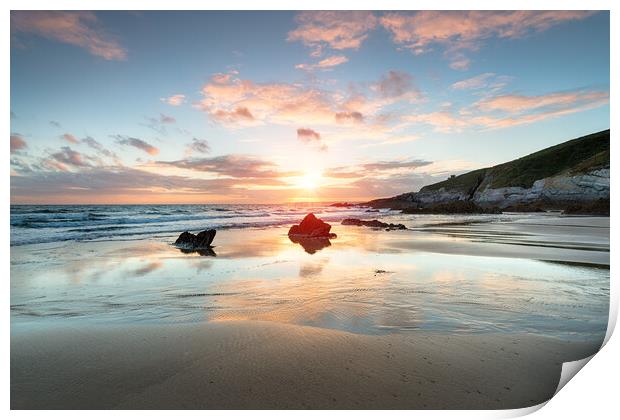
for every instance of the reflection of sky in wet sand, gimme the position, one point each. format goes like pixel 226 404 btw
pixel 366 281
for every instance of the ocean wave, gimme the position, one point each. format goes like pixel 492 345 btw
pixel 84 223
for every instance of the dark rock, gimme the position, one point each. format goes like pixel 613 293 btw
pixel 595 208
pixel 202 240
pixel 524 208
pixel 374 224
pixel 311 227
pixel 345 204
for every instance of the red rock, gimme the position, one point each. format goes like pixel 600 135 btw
pixel 312 227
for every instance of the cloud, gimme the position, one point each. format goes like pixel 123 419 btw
pixel 95 145
pixel 17 143
pixel 476 82
pixel 121 184
pixel 66 158
pixel 199 146
pixel 166 119
pixel 349 117
pixel 81 29
pixel 174 100
pixel 137 143
pixel 376 168
pixel 460 62
pixel 324 64
pixel 395 84
pixel 466 30
pixel 158 124
pixel 70 138
pixel 235 102
pixel 504 111
pixel 308 135
pixel 237 115
pixel 235 166
pixel 338 30
pixel 522 103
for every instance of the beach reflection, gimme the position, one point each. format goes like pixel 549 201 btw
pixel 311 245
pixel 364 281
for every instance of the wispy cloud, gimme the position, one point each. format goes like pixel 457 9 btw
pixel 198 146
pixel 76 28
pixel 235 166
pixel 137 143
pixel 174 100
pixel 503 111
pixel 339 30
pixel 466 30
pixel 325 64
pixel 490 82
pixel 70 138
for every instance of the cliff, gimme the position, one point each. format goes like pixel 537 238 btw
pixel 573 172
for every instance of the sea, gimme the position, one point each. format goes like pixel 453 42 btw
pixel 32 224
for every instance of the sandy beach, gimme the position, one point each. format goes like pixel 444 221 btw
pixel 264 365
pixel 476 314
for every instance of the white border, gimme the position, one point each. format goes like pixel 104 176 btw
pixel 593 394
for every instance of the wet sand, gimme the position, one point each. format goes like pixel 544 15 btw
pixel 455 315
pixel 260 365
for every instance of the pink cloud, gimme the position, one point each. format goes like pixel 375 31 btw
pixel 308 135
pixel 522 103
pixel 75 28
pixel 395 84
pixel 17 143
pixel 349 117
pixel 326 63
pixel 339 30
pixel 174 100
pixel 475 82
pixel 239 114
pixel 137 143
pixel 458 30
pixel 70 138
pixel 511 110
pixel 236 102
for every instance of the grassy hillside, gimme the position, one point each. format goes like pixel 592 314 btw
pixel 574 156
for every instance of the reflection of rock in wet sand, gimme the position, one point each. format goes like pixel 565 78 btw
pixel 205 252
pixel 311 245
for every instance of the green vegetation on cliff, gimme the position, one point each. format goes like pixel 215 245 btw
pixel 574 156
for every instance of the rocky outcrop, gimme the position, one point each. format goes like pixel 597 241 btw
pixel 345 204
pixel 311 227
pixel 572 173
pixel 589 186
pixel 374 224
pixel 190 241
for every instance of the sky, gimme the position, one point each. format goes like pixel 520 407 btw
pixel 275 107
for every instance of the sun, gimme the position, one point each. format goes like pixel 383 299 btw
pixel 311 180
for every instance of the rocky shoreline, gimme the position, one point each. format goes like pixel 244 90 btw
pixel 573 177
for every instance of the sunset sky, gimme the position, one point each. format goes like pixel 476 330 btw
pixel 262 107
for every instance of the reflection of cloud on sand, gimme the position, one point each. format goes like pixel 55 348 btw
pixel 312 268
pixel 148 268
